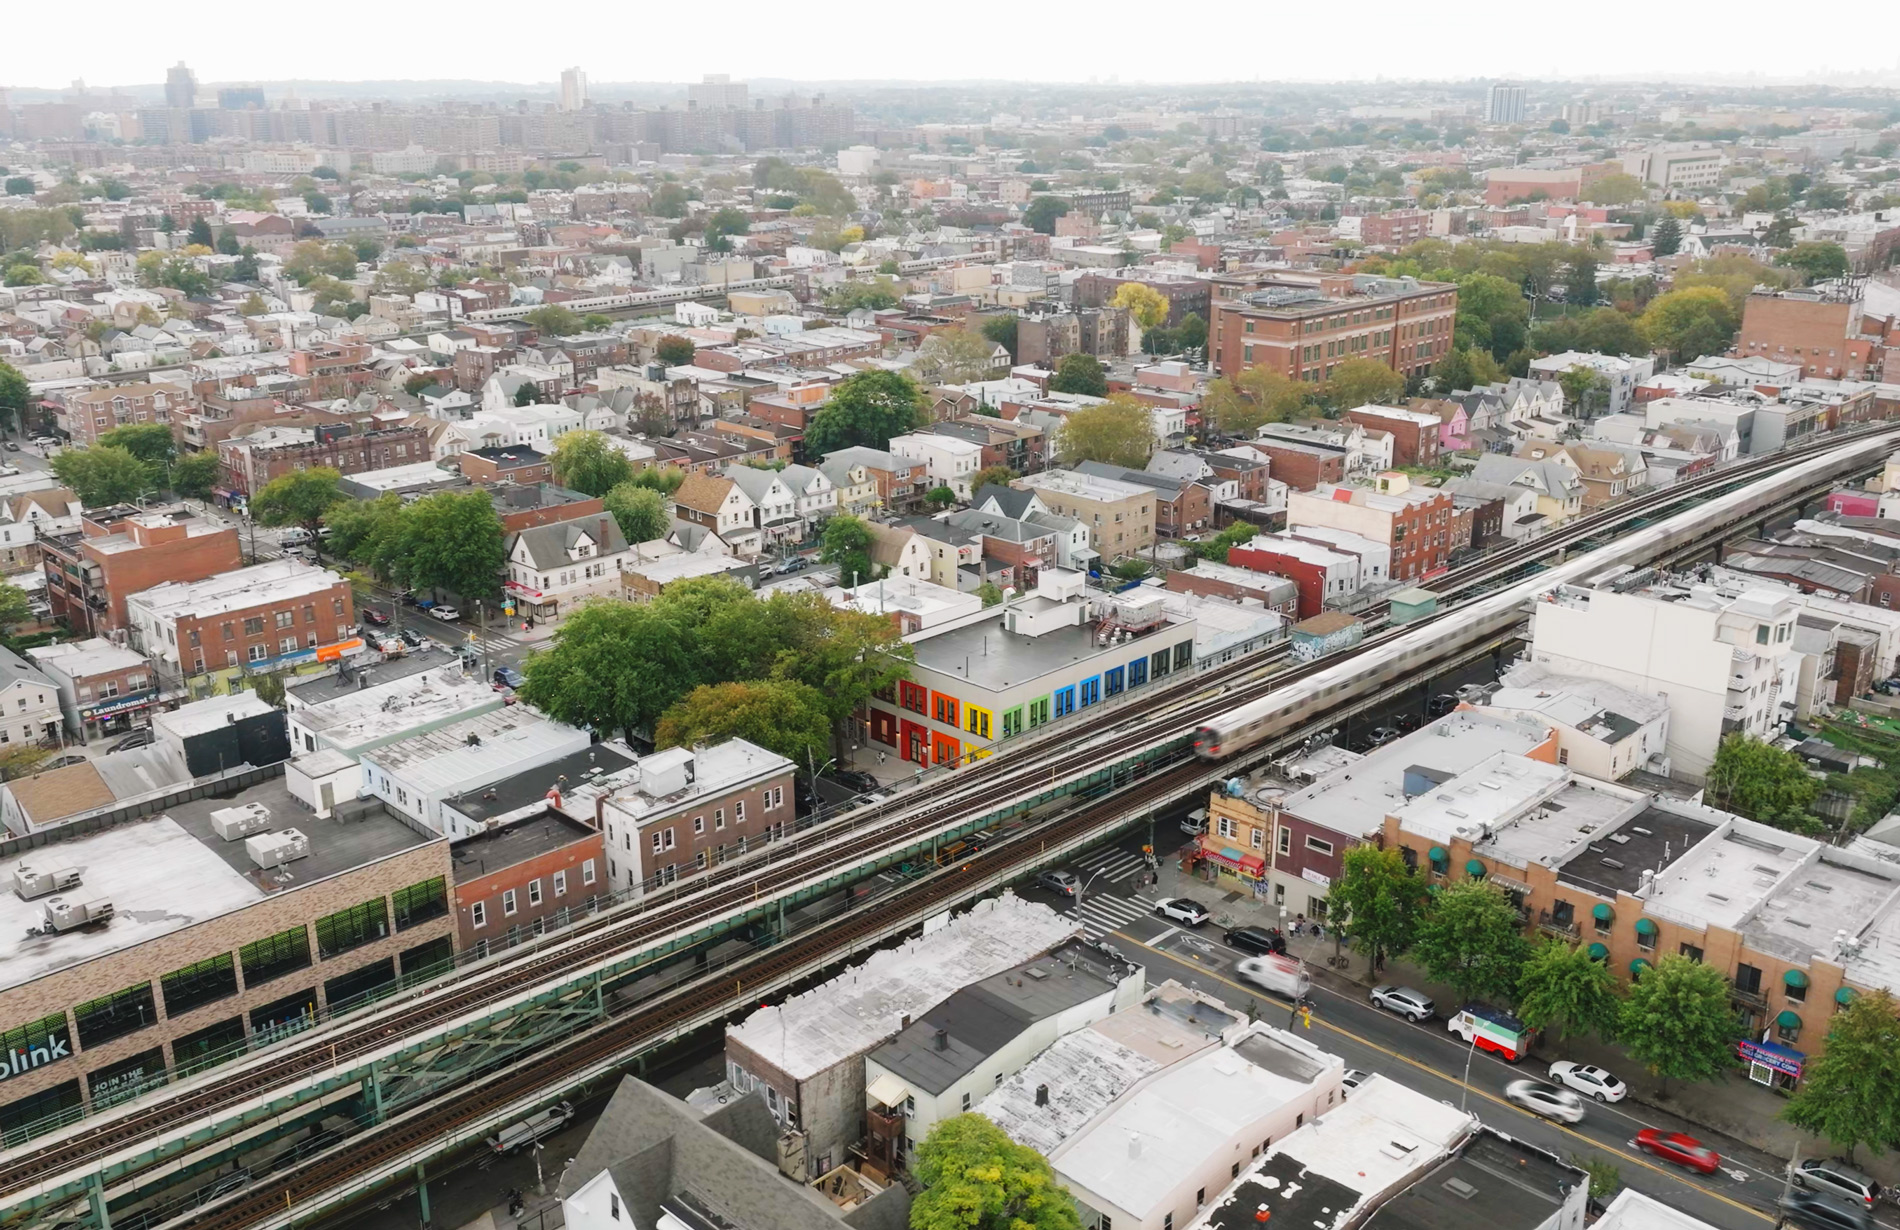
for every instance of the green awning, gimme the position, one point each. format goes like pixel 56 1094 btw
pixel 1475 869
pixel 1638 966
pixel 1437 854
pixel 1645 927
pixel 1795 978
pixel 1602 913
pixel 1788 1020
pixel 1598 952
pixel 1845 995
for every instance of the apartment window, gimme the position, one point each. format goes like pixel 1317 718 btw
pixel 199 984
pixel 1137 672
pixel 286 619
pixel 1012 722
pixel 738 812
pixel 508 903
pixel 478 915
pixel 1259 836
pixel 1065 701
pixel 230 631
pixel 254 625
pixel 352 928
pixel 1225 826
pixel 1158 664
pixel 699 822
pixel 1692 952
pixel 1200 1197
pixel 1286 840
pixel 1318 846
pixel 534 892
pixel 274 956
pixel 560 884
pixel 1112 681
pixel 115 1015
pixel 587 872
pixel 775 798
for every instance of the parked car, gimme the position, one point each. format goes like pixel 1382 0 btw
pixel 863 783
pixel 13 446
pixel 797 563
pixel 1382 735
pixel 1281 975
pixel 137 738
pixel 1822 1211
pixel 293 536
pixel 1680 1149
pixel 447 614
pixel 373 616
pixel 1494 1030
pixel 411 638
pixel 1441 704
pixel 1262 941
pixel 1405 1001
pixel 60 762
pixel 1549 1101
pixel 1589 1080
pixel 1195 822
pixel 1351 1081
pixel 1182 910
pixel 1827 1175
pixel 1064 882
pixel 508 677
pixel 537 1126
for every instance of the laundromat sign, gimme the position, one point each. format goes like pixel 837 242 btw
pixel 36 1045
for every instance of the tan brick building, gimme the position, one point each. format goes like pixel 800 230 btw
pixel 1120 516
pixel 122 550
pixel 1304 325
pixel 1822 334
pixel 89 415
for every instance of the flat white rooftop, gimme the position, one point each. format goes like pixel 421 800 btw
pixel 866 1004
pixel 1631 1210
pixel 1492 793
pixel 387 710
pixel 261 584
pixel 1728 874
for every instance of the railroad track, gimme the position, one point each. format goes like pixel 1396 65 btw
pixel 988 784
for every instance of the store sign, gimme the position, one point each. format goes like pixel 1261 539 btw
pixel 117 704
pixel 1768 1055
pixel 23 1059
pixel 1324 881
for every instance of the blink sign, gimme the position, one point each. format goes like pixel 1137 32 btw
pixel 35 1046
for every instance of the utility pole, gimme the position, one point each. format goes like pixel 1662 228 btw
pixel 481 609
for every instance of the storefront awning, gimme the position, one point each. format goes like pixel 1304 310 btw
pixel 1645 927
pixel 1599 952
pixel 1246 864
pixel 888 1090
pixel 1602 913
pixel 1795 978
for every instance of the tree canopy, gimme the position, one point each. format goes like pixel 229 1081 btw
pixel 587 462
pixel 1042 213
pixel 674 350
pixel 1149 306
pixel 780 715
pixel 1676 1020
pixel 1119 432
pixel 1379 900
pixel 298 498
pixel 195 474
pixel 1472 940
pixel 1764 783
pixel 866 409
pixel 452 541
pixel 1851 1094
pixel 1563 987
pixel 954 356
pixel 1363 382
pixel 1080 373
pixel 1817 262
pixel 1690 322
pixel 640 511
pixel 1240 404
pixel 553 320
pixel 976 1178
pixel 150 442
pixel 612 666
pixel 103 475
pixel 846 543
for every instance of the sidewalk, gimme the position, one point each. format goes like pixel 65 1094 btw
pixel 1733 1107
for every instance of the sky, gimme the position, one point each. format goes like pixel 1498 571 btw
pixel 127 43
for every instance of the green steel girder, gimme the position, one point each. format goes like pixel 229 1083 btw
pixel 398 1084
pixel 376 1084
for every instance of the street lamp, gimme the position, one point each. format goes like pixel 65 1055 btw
pixel 1083 888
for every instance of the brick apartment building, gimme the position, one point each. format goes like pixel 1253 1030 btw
pixel 695 808
pixel 248 461
pixel 513 463
pixel 86 416
pixel 1185 296
pixel 1415 522
pixel 1395 228
pixel 1302 466
pixel 1305 325
pixel 524 877
pixel 120 551
pixel 1248 475
pixel 522 507
pixel 263 617
pixel 218 416
pixel 334 369
pixel 1414 433
pixel 1822 333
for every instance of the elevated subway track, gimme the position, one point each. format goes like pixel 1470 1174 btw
pixel 372 1049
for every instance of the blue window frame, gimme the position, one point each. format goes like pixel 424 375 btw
pixel 1065 701
pixel 1137 672
pixel 1091 691
pixel 1112 681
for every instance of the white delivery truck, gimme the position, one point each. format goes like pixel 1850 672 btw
pixel 1490 1029
pixel 1281 975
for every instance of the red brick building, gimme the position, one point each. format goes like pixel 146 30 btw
pixel 88 415
pixel 1302 563
pixel 1824 335
pixel 1415 522
pixel 1395 228
pixel 1414 433
pixel 334 369
pixel 120 551
pixel 248 461
pixel 514 463
pixel 522 878
pixel 258 618
pixel 1302 466
pixel 1304 325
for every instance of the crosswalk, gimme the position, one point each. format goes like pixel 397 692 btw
pixel 1101 913
pixel 1114 865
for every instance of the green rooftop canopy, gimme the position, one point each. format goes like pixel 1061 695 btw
pixel 1474 868
pixel 1788 1020
pixel 1437 854
pixel 1845 996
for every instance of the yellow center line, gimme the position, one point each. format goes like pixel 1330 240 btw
pixel 1640 1159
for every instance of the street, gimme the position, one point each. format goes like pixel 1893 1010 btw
pixel 1741 1194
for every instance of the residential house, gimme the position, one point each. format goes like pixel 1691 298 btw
pixel 774 506
pixel 948 461
pixel 854 491
pixel 563 562
pixel 30 713
pixel 720 507
pixel 28 517
pixel 1558 487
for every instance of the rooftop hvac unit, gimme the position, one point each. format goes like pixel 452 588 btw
pixel 275 849
pixel 30 883
pixel 231 823
pixel 66 915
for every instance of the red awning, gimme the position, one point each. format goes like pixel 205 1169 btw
pixel 1246 864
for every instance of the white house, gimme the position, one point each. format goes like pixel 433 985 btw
pixel 817 495
pixel 774 504
pixel 948 461
pixel 29 703
pixel 565 560
pixel 29 516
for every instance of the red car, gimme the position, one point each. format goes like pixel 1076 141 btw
pixel 1680 1149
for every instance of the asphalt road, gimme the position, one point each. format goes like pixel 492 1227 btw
pixel 1740 1195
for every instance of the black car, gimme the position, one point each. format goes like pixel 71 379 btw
pixel 1441 704
pixel 508 677
pixel 375 617
pixel 411 637
pixel 1262 940
pixel 863 783
pixel 138 738
pixel 1820 1211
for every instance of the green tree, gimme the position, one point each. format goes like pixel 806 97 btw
pixel 846 543
pixel 15 393
pixel 1002 331
pixel 1615 189
pixel 874 295
pixel 526 394
pixel 989 593
pixel 298 498
pixel 1119 432
pixel 452 541
pixel 867 409
pixel 612 666
pixel 780 715
pixel 1817 261
pixel 19 185
pixel 1042 213
pixel 663 479
pixel 199 232
pixel 1764 783
pixel 553 320
pixel 674 351
pixel 1492 314
pixel 150 442
pixel 1379 900
pixel 1472 939
pixel 954 356
pixel 1149 306
pixel 1080 373
pixel 1240 404
pixel 1000 476
pixel 15 606
pixel 669 201
pixel 1363 382
pixel 195 474
pixel 1217 547
pixel 1581 385
pixel 1851 1094
pixel 365 531
pixel 318 203
pixel 1580 279
pixel 940 498
pixel 587 462
pixel 1691 322
pixel 976 1178
pixel 1666 239
pixel 641 511
pixel 102 476
pixel 1676 1021
pixel 1191 332
pixel 1563 987
pixel 1608 331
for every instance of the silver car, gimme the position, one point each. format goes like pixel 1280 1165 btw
pixel 1407 1002
pixel 1838 1178
pixel 1547 1100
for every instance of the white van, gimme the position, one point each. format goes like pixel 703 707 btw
pixel 537 1126
pixel 1281 975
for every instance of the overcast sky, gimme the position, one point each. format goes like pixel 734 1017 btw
pixel 110 42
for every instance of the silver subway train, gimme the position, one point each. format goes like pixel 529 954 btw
pixel 1408 655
